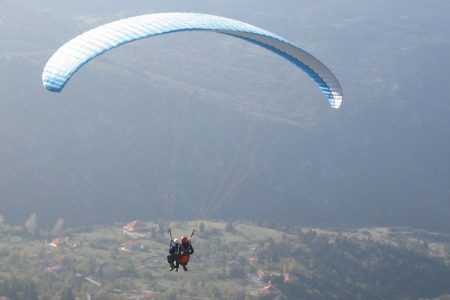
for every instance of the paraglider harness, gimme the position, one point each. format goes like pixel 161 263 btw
pixel 180 257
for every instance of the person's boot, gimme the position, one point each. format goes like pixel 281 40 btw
pixel 185 268
pixel 172 266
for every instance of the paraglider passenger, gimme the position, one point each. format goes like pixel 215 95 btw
pixel 172 256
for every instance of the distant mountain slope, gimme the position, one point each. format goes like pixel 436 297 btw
pixel 176 127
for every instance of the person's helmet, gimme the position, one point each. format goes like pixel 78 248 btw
pixel 176 241
pixel 185 240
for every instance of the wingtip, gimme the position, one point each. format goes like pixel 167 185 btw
pixel 52 88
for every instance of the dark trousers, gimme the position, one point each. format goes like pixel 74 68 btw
pixel 172 261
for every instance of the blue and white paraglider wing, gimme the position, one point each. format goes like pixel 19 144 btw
pixel 80 50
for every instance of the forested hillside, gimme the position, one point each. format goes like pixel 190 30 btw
pixel 231 261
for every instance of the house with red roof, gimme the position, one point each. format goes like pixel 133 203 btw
pixel 135 225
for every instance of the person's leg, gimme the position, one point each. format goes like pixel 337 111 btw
pixel 170 260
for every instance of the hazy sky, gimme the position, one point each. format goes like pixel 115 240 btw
pixel 199 120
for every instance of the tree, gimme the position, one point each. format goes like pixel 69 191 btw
pixel 58 229
pixel 67 294
pixel 31 224
pixel 230 228
pixel 3 224
pixel 162 231
pixel 201 227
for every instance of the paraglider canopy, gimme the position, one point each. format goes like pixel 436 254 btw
pixel 80 50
